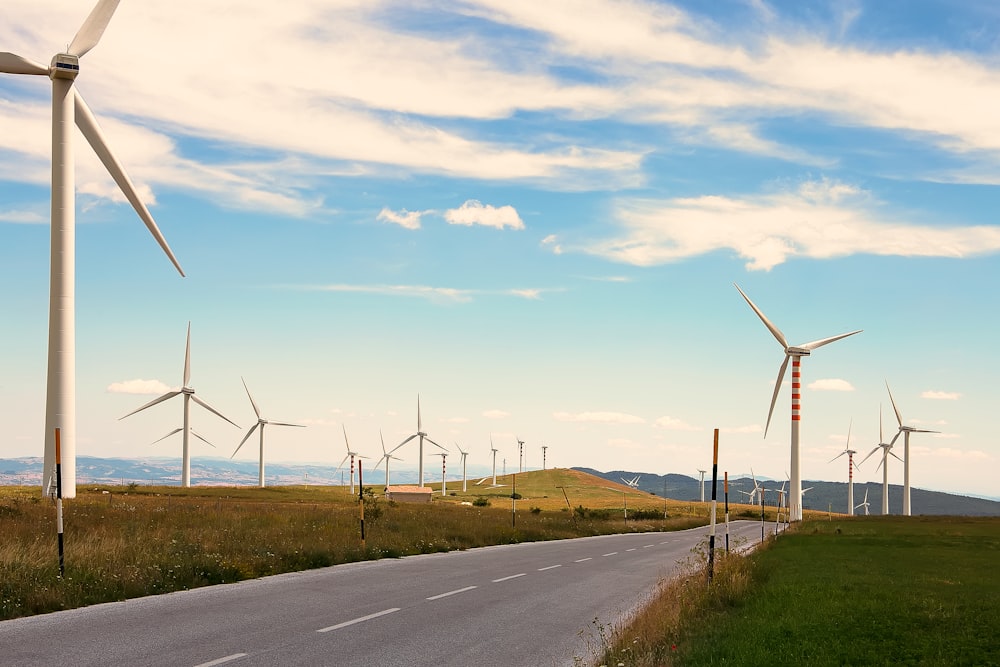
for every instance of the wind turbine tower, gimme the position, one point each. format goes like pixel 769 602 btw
pixel 443 455
pixel 68 107
pixel 386 457
pixel 850 470
pixel 544 447
pixel 351 454
pixel 702 484
pixel 884 464
pixel 906 431
pixel 464 455
pixel 189 396
pixel 494 451
pixel 795 354
pixel 520 455
pixel 261 422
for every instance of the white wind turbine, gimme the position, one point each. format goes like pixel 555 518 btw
pixel 906 431
pixel 754 492
pixel 795 353
pixel 864 504
pixel 189 396
pixel 884 464
pixel 464 454
pixel 68 107
pixel 633 483
pixel 850 469
pixel 351 454
pixel 520 454
pixel 702 484
pixel 386 457
pixel 261 422
pixel 422 436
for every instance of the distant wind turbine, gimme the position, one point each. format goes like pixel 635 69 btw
pixel 520 454
pixel 68 107
pixel 633 483
pixel 386 456
pixel 906 431
pixel 464 454
pixel 494 450
pixel 884 464
pixel 189 396
pixel 422 436
pixel 850 469
pixel 702 484
pixel 351 454
pixel 795 353
pixel 864 504
pixel 754 493
pixel 261 422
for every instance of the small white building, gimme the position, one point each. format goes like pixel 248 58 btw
pixel 408 494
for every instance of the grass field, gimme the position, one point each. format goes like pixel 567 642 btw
pixel 123 544
pixel 862 591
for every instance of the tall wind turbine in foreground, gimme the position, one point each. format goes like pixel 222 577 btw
pixel 884 464
pixel 906 431
pixel 850 470
pixel 261 422
pixel 68 107
pixel 795 353
pixel 423 436
pixel 189 396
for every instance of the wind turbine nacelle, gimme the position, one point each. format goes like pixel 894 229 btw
pixel 797 352
pixel 64 66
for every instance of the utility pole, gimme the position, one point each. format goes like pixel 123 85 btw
pixel 544 447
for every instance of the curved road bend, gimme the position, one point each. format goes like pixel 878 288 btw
pixel 524 604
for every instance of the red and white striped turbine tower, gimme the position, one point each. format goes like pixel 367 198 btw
pixel 850 470
pixel 795 353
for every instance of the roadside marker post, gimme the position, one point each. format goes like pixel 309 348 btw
pixel 361 504
pixel 726 495
pixel 711 532
pixel 59 507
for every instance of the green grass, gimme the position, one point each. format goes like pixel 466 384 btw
pixel 152 540
pixel 863 591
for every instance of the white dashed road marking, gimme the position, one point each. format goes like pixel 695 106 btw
pixel 550 567
pixel 220 661
pixel 455 592
pixel 513 576
pixel 582 560
pixel 359 620
pixel 613 553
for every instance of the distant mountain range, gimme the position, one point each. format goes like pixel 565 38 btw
pixel 823 495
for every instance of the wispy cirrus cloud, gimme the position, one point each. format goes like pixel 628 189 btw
pixel 674 424
pixel 598 417
pixel 138 387
pixel 496 414
pixel 831 384
pixel 405 219
pixel 941 395
pixel 428 292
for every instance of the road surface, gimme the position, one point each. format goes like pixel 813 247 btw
pixel 538 603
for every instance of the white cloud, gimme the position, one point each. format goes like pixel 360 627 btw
pixel 674 424
pixel 496 414
pixel 436 294
pixel 473 212
pixel 598 417
pixel 553 241
pixel 941 395
pixel 951 453
pixel 831 384
pixel 819 219
pixel 404 218
pixel 152 387
pixel 23 217
pixel 456 420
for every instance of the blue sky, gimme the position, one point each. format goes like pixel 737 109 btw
pixel 531 214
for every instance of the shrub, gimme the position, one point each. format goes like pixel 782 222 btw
pixel 481 501
pixel 536 510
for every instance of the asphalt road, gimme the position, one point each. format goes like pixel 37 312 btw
pixel 540 603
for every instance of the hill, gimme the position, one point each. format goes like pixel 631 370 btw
pixel 823 496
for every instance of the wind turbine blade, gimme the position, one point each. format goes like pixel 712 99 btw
pixel 93 27
pixel 245 438
pixel 869 455
pixel 252 402
pixel 187 357
pixel 848 445
pixel 166 396
pixel 176 430
pixel 346 443
pixel 777 388
pixel 894 438
pixel 775 331
pixel 14 64
pixel 899 417
pixel 202 438
pixel 91 130
pixel 286 424
pixel 382 440
pixel 419 427
pixel 893 454
pixel 402 443
pixel 341 464
pixel 837 457
pixel 881 463
pixel 922 430
pixel 820 343
pixel 435 444
pixel 211 409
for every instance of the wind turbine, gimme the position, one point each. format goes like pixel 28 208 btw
pixel 443 455
pixel 261 422
pixel 520 454
pixel 795 353
pixel 189 395
pixel 423 436
pixel 350 455
pixel 864 504
pixel 633 483
pixel 850 469
pixel 544 447
pixel 68 107
pixel 464 478
pixel 906 431
pixel 494 450
pixel 385 457
pixel 884 464
pixel 702 484
pixel 756 489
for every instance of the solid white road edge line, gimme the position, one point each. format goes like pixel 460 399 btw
pixel 220 661
pixel 455 592
pixel 359 620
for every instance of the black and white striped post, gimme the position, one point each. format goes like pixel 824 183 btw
pixel 59 509
pixel 725 488
pixel 715 480
pixel 361 503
